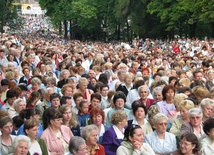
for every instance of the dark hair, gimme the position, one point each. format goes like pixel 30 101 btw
pixel 208 125
pixel 95 112
pixel 82 103
pixel 96 96
pixel 5 120
pixel 17 121
pixel 118 95
pixel 63 99
pixel 191 137
pixel 166 89
pixel 184 89
pixel 11 93
pixel 135 107
pixel 130 131
pixel 172 78
pixel 5 82
pixel 103 78
pixel 27 113
pixel 76 95
pixel 50 114
pixel 32 97
pixel 54 95
pixel 30 124
pixel 103 86
pixel 139 83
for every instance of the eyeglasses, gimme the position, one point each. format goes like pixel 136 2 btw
pixel 184 143
pixel 161 124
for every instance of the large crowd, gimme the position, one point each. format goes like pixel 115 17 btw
pixel 145 97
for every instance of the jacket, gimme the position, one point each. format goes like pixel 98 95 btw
pixel 54 144
pixel 126 148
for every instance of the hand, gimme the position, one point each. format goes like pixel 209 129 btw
pixel 136 145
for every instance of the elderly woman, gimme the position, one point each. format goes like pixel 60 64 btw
pixel 189 145
pixel 133 143
pixel 167 104
pixel 35 82
pixel 6 139
pixel 139 111
pixel 77 146
pixel 89 133
pixel 184 107
pixel 127 85
pixel 119 100
pixel 157 94
pixel 37 146
pixel 56 135
pixel 67 90
pixel 64 78
pixel 83 83
pixel 195 124
pixel 21 145
pixel 70 119
pixel 161 141
pixel 115 134
pixel 51 82
pixel 24 79
pixel 144 92
pixel 207 107
pixel 208 141
pixel 97 117
pixel 18 105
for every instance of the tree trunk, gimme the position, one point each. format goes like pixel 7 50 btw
pixel 192 30
pixel 60 28
pixel 65 29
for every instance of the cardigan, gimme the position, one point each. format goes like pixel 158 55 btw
pixel 111 142
pixel 54 144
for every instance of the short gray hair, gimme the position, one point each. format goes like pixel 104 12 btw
pixel 157 89
pixel 143 86
pixel 36 80
pixel 86 131
pixel 75 143
pixel 17 101
pixel 195 111
pixel 206 101
pixel 159 116
pixel 21 138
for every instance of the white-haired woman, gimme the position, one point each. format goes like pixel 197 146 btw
pixel 77 146
pixel 89 133
pixel 195 124
pixel 207 106
pixel 144 93
pixel 21 145
pixel 162 142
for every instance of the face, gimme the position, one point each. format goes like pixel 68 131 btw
pixel 195 120
pixel 67 115
pixel 97 119
pixel 211 76
pixel 184 113
pixel 65 75
pixel 83 86
pixel 68 92
pixel 69 102
pixel 140 113
pixel 161 126
pixel 21 105
pixel 26 72
pixel 55 102
pixel 128 80
pixel 123 122
pixel 32 132
pixel 104 91
pixel 198 76
pixel 7 128
pixel 186 147
pixel 211 134
pixel 36 117
pixel 11 100
pixel 56 123
pixel 119 103
pixel 21 149
pixel 170 94
pixel 158 96
pixel 207 111
pixel 144 93
pixel 95 103
pixel 84 108
pixel 92 138
pixel 137 136
pixel 35 87
pixel 78 100
pixel 93 82
pixel 82 150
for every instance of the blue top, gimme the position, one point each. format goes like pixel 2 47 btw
pixel 21 130
pixel 83 119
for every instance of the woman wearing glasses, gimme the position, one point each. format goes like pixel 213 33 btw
pixel 162 142
pixel 189 145
pixel 56 135
pixel 133 142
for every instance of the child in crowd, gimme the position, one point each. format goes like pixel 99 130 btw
pixel 83 116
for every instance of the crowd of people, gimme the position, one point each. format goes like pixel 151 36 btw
pixel 146 97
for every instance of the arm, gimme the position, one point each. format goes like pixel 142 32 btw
pixel 122 151
pixel 184 129
pixel 175 129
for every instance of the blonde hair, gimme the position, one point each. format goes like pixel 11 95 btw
pixel 118 116
pixel 178 98
pixel 187 104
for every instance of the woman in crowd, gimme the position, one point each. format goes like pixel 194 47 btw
pixel 37 146
pixel 139 111
pixel 115 134
pixel 89 133
pixel 167 105
pixel 97 117
pixel 6 139
pixel 189 145
pixel 144 92
pixel 69 119
pixel 208 141
pixel 77 146
pixel 185 106
pixel 21 145
pixel 157 94
pixel 207 107
pixel 67 90
pixel 56 135
pixel 195 123
pixel 127 85
pixel 161 141
pixel 133 143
